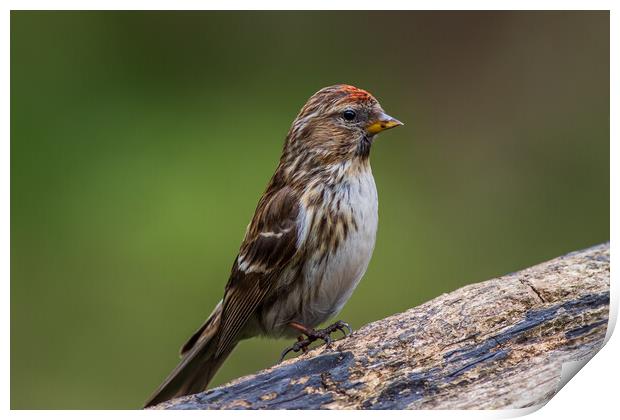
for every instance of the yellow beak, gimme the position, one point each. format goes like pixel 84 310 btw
pixel 384 122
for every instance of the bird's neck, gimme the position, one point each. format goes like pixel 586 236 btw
pixel 305 168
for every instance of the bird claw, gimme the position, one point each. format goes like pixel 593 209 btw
pixel 340 326
pixel 324 334
pixel 287 350
pixel 301 344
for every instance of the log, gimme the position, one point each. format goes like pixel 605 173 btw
pixel 492 345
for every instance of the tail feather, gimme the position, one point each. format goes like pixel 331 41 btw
pixel 198 365
pixel 212 323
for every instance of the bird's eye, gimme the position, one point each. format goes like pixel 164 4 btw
pixel 349 115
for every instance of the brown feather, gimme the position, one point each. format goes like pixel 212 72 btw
pixel 271 241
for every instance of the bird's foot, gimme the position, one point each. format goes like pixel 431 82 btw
pixel 313 335
pixel 341 326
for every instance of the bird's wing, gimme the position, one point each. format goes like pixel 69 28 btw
pixel 270 243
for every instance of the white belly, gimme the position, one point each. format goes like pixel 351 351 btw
pixel 331 282
pixel 319 291
pixel 330 285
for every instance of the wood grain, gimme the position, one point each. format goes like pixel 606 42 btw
pixel 495 344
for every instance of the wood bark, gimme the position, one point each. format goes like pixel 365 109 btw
pixel 496 344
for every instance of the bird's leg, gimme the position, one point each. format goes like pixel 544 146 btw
pixel 302 343
pixel 313 335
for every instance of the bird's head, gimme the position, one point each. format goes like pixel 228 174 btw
pixel 338 123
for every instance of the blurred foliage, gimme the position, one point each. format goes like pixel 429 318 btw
pixel 141 142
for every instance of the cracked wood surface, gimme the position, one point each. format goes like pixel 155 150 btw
pixel 496 344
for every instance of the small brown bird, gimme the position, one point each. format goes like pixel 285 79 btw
pixel 308 244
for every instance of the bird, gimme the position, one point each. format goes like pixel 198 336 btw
pixel 308 244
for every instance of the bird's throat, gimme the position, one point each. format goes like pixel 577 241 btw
pixel 363 147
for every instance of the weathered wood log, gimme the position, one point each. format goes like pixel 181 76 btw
pixel 496 344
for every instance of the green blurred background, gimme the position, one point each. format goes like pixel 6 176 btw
pixel 141 142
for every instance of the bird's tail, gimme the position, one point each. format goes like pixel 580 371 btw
pixel 198 365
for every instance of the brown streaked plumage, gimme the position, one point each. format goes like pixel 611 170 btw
pixel 308 244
